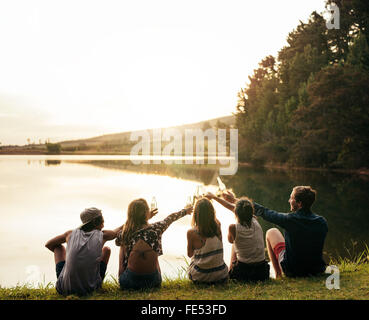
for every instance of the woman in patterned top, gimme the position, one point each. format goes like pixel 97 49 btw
pixel 140 246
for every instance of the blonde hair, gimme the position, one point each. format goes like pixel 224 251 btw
pixel 205 220
pixel 136 218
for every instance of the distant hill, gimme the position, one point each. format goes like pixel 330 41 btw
pixel 123 137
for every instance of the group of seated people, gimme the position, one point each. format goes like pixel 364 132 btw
pixel 81 266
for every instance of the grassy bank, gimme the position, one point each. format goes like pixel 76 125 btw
pixel 354 284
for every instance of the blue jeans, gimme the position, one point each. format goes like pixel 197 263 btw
pixel 131 280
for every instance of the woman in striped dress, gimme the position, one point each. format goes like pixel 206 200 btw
pixel 205 246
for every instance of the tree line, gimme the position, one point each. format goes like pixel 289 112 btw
pixel 309 106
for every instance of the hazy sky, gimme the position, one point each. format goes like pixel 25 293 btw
pixel 71 69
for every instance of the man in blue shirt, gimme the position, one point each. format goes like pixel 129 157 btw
pixel 300 251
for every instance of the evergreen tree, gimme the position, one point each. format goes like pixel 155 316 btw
pixel 310 105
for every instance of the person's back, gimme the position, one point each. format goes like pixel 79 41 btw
pixel 82 266
pixel 305 233
pixel 249 242
pixel 81 273
pixel 140 246
pixel 205 246
pixel 248 252
pixel 300 251
pixel 207 263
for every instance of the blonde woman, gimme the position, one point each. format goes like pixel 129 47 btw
pixel 205 246
pixel 140 246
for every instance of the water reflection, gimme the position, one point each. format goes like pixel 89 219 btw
pixel 52 162
pixel 206 174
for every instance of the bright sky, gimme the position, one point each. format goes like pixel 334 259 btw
pixel 77 69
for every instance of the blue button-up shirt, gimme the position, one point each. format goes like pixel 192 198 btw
pixel 305 233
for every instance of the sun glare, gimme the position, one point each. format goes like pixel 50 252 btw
pixel 118 66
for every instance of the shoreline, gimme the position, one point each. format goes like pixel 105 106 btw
pixel 359 171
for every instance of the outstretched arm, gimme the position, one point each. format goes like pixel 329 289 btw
pixel 164 224
pixel 111 234
pixel 223 202
pixel 281 219
pixel 229 196
pixel 58 240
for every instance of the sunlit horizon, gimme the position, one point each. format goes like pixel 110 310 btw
pixel 82 69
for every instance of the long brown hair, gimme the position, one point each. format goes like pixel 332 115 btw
pixel 136 218
pixel 205 220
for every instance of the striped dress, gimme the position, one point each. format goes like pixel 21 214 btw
pixel 207 263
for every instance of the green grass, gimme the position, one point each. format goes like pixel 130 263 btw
pixel 354 284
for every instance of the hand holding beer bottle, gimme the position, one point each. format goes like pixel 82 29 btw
pixel 153 207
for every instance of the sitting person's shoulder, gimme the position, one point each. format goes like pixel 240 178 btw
pixel 255 223
pixel 319 217
pixel 191 231
pixel 193 234
pixel 322 220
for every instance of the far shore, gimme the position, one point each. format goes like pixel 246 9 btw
pixel 25 151
pixel 360 171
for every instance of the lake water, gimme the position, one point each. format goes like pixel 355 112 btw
pixel 42 196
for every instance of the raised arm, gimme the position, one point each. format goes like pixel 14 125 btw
pixel 111 234
pixel 164 224
pixel 58 240
pixel 229 196
pixel 281 219
pixel 222 201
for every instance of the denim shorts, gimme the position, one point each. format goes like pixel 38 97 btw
pixel 131 280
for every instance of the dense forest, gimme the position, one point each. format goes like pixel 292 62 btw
pixel 309 106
